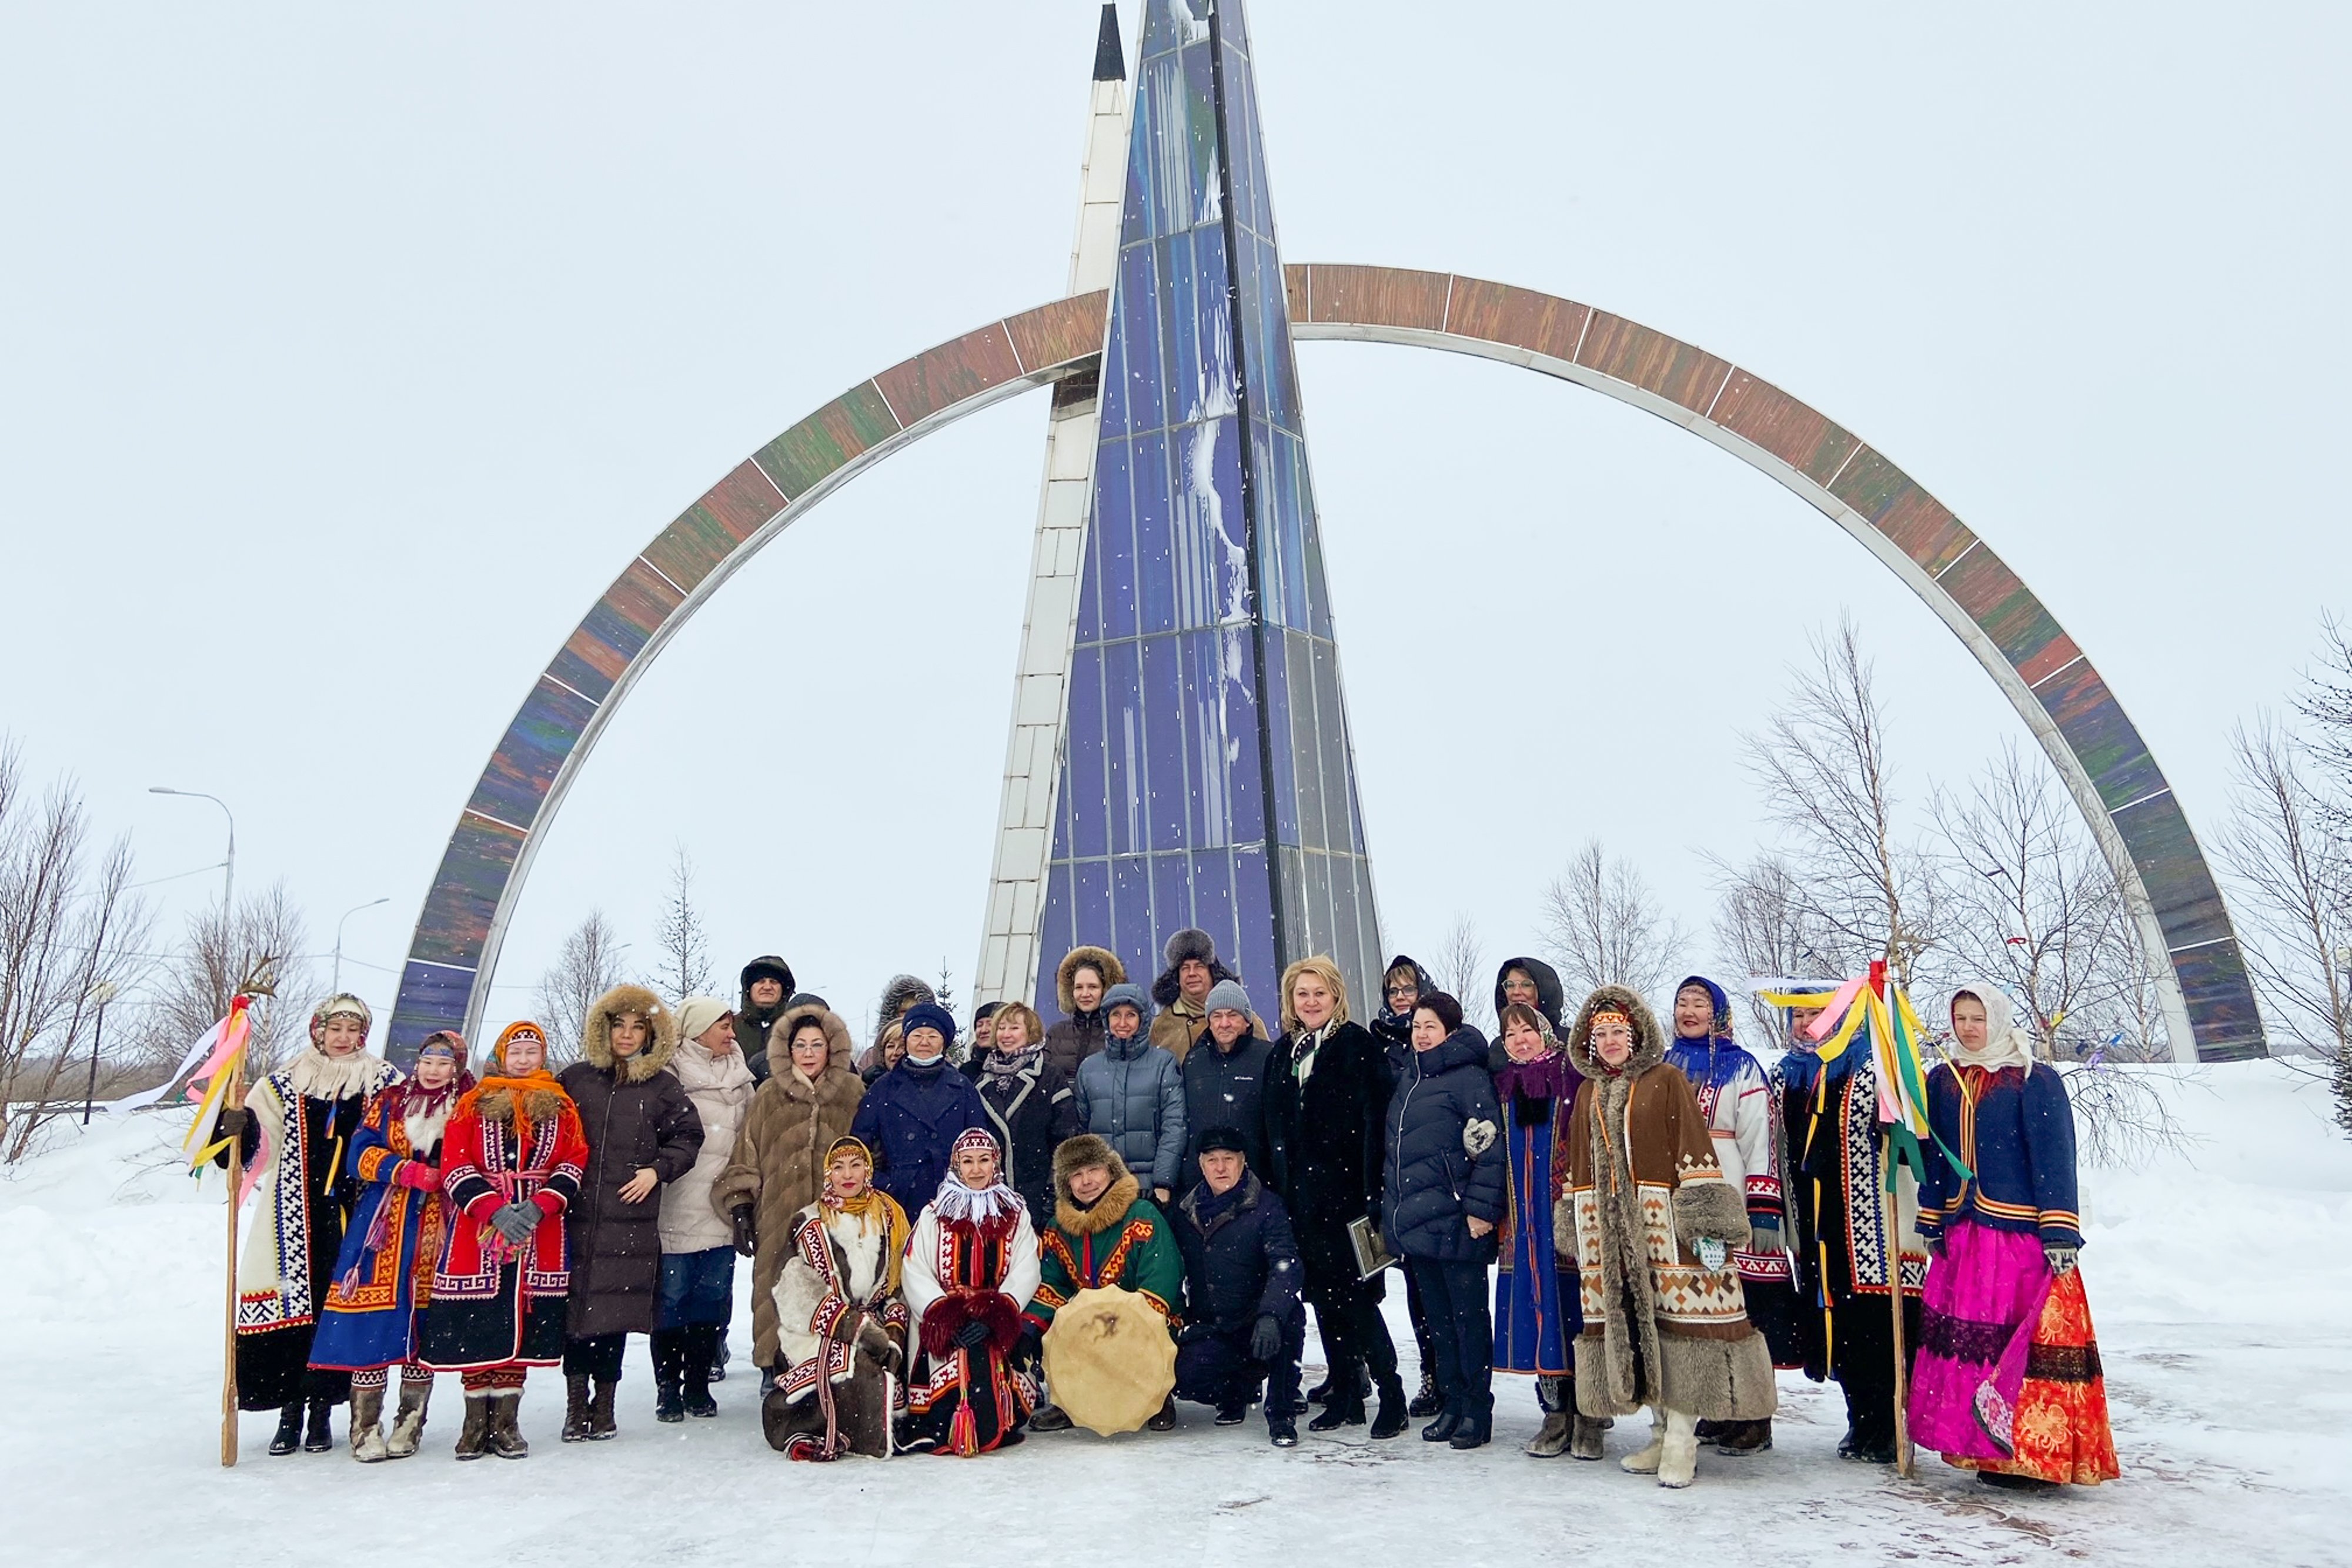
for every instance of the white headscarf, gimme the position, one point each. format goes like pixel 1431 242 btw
pixel 2006 1045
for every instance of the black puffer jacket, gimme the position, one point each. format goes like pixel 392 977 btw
pixel 634 1116
pixel 1223 1089
pixel 1242 1264
pixel 1445 1155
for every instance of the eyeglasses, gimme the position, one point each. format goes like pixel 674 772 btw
pixel 1405 990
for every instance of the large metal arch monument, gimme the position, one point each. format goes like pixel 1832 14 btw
pixel 2125 798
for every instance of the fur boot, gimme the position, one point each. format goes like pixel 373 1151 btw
pixel 408 1424
pixel 367 1426
pixel 1738 1438
pixel 1678 1456
pixel 473 1436
pixel 1550 1442
pixel 575 1407
pixel 505 1436
pixel 1585 1441
pixel 1644 1461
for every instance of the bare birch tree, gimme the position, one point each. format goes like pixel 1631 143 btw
pixel 588 964
pixel 1604 926
pixel 1459 969
pixel 1764 926
pixel 685 947
pixel 68 922
pixel 193 989
pixel 1828 782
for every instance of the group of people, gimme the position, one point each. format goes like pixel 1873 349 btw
pixel 1635 1216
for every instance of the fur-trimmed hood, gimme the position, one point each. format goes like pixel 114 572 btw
pixel 1649 1039
pixel 596 1033
pixel 780 1038
pixel 1101 959
pixel 1076 1154
pixel 1190 943
pixel 903 992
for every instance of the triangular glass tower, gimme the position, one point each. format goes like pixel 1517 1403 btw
pixel 1206 776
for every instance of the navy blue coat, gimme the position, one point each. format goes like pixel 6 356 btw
pixel 910 1119
pixel 1431 1183
pixel 1243 1264
pixel 1225 1091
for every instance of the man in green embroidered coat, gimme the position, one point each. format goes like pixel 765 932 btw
pixel 1105 1235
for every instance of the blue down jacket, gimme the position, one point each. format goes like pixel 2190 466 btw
pixel 1131 1093
pixel 1445 1155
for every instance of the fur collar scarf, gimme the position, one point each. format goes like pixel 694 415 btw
pixel 1105 1212
pixel 992 1210
pixel 315 1075
pixel 538 1098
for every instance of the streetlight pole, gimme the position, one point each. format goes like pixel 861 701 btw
pixel 228 882
pixel 102 993
pixel 337 986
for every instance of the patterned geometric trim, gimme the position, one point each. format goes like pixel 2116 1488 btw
pixel 2063 1363
pixel 1056 1247
pixel 1865 1199
pixel 1133 1232
pixel 1052 1297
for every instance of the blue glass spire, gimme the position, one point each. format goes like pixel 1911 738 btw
pixel 1207 777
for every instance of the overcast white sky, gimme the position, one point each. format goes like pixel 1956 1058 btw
pixel 347 353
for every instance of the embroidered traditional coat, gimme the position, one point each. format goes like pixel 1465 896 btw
pixel 959 1272
pixel 1122 1241
pixel 512 1140
pixel 383 1275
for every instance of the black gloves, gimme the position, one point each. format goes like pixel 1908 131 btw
pixel 747 1231
pixel 972 1336
pixel 1265 1339
pixel 1031 1345
pixel 1194 1331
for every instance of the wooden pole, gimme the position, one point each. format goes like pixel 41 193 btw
pixel 1889 1192
pixel 235 1101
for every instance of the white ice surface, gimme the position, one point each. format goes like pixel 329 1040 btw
pixel 2217 1280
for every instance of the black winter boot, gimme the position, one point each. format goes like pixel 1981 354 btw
pixel 319 1437
pixel 700 1353
pixel 1429 1401
pixel 1394 1410
pixel 669 1350
pixel 1448 1422
pixel 289 1430
pixel 718 1354
pixel 600 1410
pixel 575 1407
pixel 1476 1427
pixel 1343 1400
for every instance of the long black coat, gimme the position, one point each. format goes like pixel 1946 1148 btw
pixel 1446 1155
pixel 1225 1091
pixel 616 1246
pixel 1030 1111
pixel 1326 1158
pixel 1242 1265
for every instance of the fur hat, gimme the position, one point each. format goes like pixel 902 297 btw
pixel 697 1014
pixel 1101 960
pixel 1077 1153
pixel 596 1033
pixel 1649 1041
pixel 929 1015
pixel 1190 943
pixel 1127 994
pixel 903 992
pixel 1227 995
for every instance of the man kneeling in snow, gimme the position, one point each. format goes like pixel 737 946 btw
pixel 1244 1324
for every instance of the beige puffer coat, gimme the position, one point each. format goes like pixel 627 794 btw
pixel 777 1166
pixel 720 1088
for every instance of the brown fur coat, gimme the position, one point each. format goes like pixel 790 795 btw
pixel 1644 1190
pixel 778 1164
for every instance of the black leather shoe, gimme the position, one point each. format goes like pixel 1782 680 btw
pixel 1442 1429
pixel 1282 1431
pixel 1393 1412
pixel 318 1439
pixel 289 1430
pixel 1343 1411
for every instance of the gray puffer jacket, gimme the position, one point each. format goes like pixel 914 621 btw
pixel 1131 1092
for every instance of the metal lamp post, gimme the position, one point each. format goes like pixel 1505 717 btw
pixel 228 882
pixel 337 985
pixel 102 993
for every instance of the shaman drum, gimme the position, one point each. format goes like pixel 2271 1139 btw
pixel 1110 1361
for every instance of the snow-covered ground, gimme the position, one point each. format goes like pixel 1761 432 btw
pixel 2219 1279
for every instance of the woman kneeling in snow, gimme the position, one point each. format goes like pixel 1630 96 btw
pixel 840 1327
pixel 971 1268
pixel 1654 1224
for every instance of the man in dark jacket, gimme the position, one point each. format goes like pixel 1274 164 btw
pixel 1224 1079
pixel 1244 1321
pixel 1442 1193
pixel 767 987
pixel 913 1113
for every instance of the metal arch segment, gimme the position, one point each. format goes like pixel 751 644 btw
pixel 937 388
pixel 1684 385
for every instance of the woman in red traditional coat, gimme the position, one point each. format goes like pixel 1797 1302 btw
pixel 972 1266
pixel 510 1162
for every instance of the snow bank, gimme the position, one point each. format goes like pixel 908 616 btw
pixel 2216 1273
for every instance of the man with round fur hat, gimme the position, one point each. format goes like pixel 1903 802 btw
pixel 1181 992
pixel 1105 1235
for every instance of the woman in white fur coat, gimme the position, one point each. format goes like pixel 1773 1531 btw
pixel 841 1329
pixel 698 1266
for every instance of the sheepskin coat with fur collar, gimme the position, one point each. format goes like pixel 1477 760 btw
pixel 635 1116
pixel 1660 1327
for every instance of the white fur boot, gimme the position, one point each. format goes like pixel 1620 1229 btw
pixel 1644 1461
pixel 1678 1463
